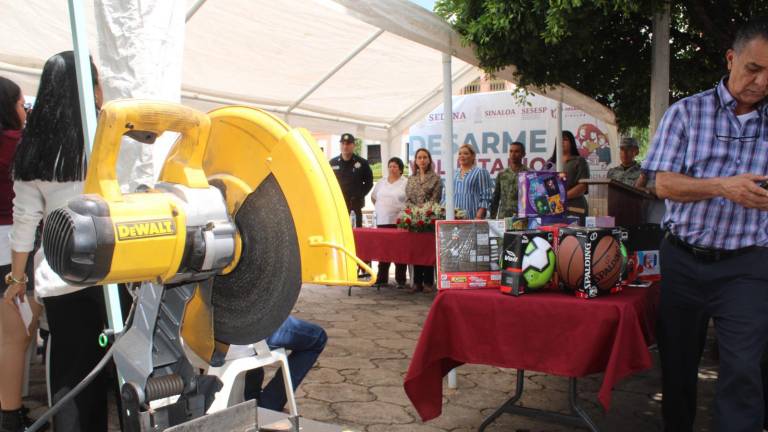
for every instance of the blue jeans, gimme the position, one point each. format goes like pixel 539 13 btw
pixel 306 341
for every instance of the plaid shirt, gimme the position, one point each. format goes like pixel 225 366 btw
pixel 701 137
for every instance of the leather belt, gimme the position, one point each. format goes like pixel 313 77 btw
pixel 706 254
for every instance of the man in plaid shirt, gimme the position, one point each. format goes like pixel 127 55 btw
pixel 710 157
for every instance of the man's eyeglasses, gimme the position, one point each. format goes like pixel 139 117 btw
pixel 743 139
pixel 725 137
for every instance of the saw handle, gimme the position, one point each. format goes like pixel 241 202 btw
pixel 142 117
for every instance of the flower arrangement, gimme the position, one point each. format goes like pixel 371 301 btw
pixel 422 218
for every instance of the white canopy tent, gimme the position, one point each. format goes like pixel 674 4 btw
pixel 370 67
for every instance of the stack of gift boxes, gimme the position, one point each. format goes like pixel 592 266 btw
pixel 543 249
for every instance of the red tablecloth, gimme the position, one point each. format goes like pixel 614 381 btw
pixel 395 246
pixel 551 332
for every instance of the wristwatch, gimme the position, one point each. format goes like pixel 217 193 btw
pixel 10 280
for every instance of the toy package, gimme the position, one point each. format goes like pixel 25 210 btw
pixel 541 193
pixel 468 254
pixel 528 261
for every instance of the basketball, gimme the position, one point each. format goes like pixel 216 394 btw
pixel 570 262
pixel 607 265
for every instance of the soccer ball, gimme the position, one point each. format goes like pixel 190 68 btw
pixel 538 263
pixel 624 260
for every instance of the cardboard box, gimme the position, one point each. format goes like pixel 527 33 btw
pixel 513 281
pixel 541 193
pixel 648 266
pixel 468 254
pixel 600 222
pixel 540 222
pixel 588 239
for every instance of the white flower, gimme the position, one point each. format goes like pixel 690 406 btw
pixel 357 165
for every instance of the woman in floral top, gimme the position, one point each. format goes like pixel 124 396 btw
pixel 423 187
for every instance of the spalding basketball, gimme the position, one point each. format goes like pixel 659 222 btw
pixel 570 262
pixel 607 265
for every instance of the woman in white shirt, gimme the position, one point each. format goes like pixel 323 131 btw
pixel 388 198
pixel 49 169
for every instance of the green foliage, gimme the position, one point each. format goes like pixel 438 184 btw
pixel 376 169
pixel 641 135
pixel 601 48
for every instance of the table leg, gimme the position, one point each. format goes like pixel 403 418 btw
pixel 577 418
pixel 509 404
pixel 576 409
pixel 452 379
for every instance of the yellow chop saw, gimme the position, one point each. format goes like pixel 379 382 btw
pixel 245 210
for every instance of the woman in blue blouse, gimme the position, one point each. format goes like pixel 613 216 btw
pixel 472 186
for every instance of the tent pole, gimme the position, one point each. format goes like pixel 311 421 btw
pixel 446 147
pixel 193 10
pixel 88 118
pixel 333 71
pixel 559 137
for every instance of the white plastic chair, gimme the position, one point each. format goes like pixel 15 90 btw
pixel 240 359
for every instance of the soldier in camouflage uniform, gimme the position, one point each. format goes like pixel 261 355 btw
pixel 504 201
pixel 629 170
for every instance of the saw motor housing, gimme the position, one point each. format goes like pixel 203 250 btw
pixel 172 234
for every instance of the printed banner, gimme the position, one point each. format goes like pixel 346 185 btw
pixel 490 122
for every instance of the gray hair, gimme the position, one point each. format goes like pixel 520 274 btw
pixel 756 27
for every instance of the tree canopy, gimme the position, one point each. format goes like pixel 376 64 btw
pixel 602 48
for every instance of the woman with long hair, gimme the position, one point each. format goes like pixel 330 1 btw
pixel 14 337
pixel 576 168
pixel 472 185
pixel 48 170
pixel 423 188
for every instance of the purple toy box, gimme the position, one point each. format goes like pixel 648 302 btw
pixel 541 193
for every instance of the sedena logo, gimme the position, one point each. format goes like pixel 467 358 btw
pixel 144 229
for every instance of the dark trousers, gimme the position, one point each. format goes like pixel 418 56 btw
pixel 306 341
pixel 764 368
pixel 75 321
pixel 383 275
pixel 424 275
pixel 734 293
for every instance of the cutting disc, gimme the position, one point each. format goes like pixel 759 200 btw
pixel 252 301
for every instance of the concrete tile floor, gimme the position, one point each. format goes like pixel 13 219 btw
pixel 357 382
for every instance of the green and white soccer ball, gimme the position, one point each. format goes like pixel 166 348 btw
pixel 538 263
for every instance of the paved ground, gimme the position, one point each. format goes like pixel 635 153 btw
pixel 372 334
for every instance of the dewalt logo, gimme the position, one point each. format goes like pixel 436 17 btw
pixel 145 229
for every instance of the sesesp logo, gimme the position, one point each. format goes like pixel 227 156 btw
pixel 145 229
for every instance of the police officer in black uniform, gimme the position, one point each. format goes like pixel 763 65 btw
pixel 354 175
